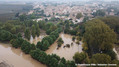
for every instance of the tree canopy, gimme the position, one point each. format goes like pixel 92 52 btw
pixel 98 36
pixel 27 34
pixel 79 15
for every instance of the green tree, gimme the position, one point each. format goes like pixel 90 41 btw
pixel 33 31
pixel 112 54
pixel 7 26
pixel 113 22
pixel 80 57
pixel 37 30
pixel 13 30
pixel 40 46
pixel 26 47
pixel 79 15
pixel 46 44
pixel 33 47
pixel 98 37
pixel 22 17
pixel 19 35
pixel 99 13
pixel 101 59
pixel 48 31
pixel 5 35
pixel 53 37
pixel 27 34
pixel 60 40
pixel 17 42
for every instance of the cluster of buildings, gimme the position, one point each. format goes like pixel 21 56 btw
pixel 68 11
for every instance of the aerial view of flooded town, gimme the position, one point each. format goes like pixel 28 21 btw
pixel 59 33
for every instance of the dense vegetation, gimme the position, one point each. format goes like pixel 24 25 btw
pixel 98 35
pixel 60 42
pixel 113 22
pixel 48 40
pixel 99 40
pixel 55 61
pixel 17 31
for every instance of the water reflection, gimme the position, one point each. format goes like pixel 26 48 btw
pixel 16 57
pixel 66 52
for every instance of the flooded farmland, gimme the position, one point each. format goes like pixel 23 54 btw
pixel 37 39
pixel 66 52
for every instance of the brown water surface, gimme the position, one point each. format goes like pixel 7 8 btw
pixel 116 50
pixel 16 57
pixel 66 52
pixel 37 39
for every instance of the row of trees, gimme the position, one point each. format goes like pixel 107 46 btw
pixel 35 31
pixel 13 26
pixel 51 60
pixel 48 40
pixel 26 47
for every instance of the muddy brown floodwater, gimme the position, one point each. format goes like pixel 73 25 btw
pixel 116 50
pixel 66 52
pixel 37 39
pixel 16 57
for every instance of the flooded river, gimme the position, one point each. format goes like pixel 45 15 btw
pixel 16 58
pixel 66 52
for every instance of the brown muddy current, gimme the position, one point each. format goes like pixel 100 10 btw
pixel 16 58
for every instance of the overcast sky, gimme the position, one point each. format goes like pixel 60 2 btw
pixel 55 0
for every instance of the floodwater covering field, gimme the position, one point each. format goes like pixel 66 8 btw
pixel 66 52
pixel 16 58
pixel 37 39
